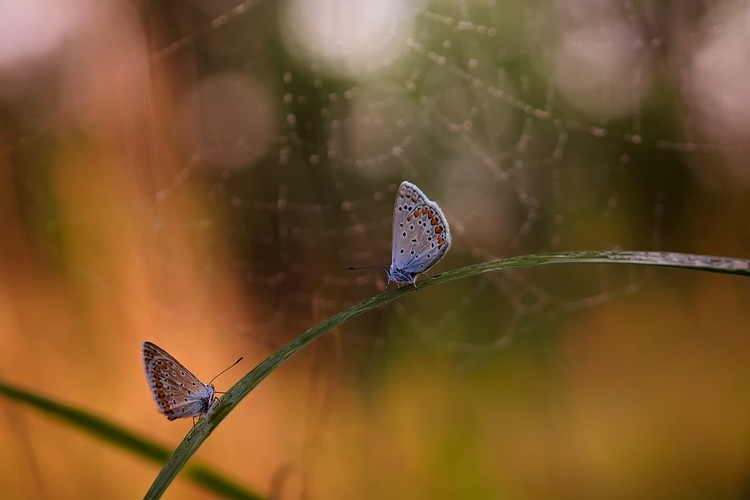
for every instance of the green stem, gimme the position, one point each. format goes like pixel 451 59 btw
pixel 200 432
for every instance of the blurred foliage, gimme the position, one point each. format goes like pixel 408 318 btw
pixel 201 174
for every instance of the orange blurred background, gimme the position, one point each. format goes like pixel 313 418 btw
pixel 200 175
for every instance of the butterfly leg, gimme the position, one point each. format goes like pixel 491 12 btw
pixel 219 401
pixel 193 429
pixel 388 283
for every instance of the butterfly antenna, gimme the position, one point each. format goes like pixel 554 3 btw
pixel 368 267
pixel 225 369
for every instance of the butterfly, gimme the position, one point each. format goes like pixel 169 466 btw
pixel 421 235
pixel 177 392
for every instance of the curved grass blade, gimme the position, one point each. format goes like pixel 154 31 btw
pixel 107 431
pixel 200 432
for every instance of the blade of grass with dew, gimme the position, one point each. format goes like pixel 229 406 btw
pixel 112 433
pixel 200 432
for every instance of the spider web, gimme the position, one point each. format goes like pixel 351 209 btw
pixel 537 126
pixel 270 138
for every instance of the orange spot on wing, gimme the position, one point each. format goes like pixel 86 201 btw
pixel 434 221
pixel 439 230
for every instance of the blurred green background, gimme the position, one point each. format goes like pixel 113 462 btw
pixel 201 174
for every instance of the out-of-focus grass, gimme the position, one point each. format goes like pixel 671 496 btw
pixel 120 437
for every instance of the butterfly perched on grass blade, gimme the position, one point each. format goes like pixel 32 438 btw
pixel 421 235
pixel 177 392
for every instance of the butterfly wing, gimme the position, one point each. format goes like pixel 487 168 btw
pixel 177 392
pixel 421 235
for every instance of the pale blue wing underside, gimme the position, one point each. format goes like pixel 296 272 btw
pixel 421 235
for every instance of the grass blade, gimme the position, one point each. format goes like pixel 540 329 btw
pixel 200 432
